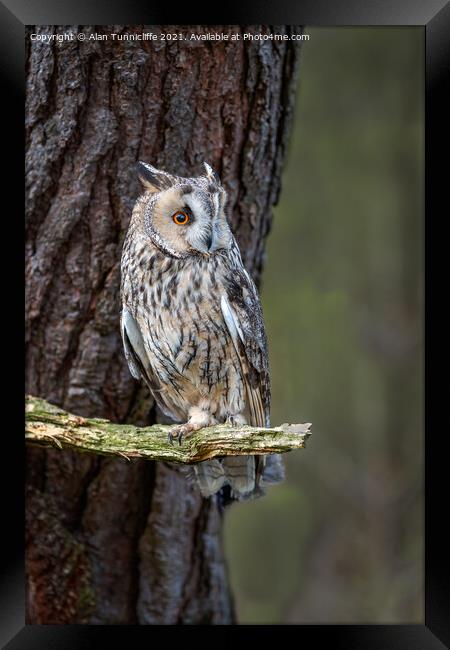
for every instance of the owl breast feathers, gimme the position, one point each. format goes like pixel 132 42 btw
pixel 192 324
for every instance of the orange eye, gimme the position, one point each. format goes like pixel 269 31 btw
pixel 181 218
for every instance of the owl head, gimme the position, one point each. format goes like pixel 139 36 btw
pixel 184 216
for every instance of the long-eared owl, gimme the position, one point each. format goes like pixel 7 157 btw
pixel 192 324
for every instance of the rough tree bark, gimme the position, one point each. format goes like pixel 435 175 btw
pixel 112 541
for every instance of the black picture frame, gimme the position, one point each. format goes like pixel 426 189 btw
pixel 434 17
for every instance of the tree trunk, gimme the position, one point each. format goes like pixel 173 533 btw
pixel 108 540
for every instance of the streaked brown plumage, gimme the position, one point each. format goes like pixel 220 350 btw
pixel 192 324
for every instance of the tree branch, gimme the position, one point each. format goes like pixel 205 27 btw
pixel 48 425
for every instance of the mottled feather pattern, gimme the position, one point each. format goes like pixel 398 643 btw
pixel 187 339
pixel 192 323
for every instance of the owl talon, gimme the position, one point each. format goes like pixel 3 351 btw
pixel 178 433
pixel 174 434
pixel 235 420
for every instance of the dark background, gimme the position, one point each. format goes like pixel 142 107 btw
pixel 342 539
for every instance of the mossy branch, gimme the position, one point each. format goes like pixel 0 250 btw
pixel 48 425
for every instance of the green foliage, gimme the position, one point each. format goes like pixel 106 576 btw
pixel 264 584
pixel 341 540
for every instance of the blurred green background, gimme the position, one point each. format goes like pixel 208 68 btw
pixel 342 539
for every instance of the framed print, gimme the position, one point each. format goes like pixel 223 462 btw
pixel 228 227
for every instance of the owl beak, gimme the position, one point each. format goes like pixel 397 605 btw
pixel 207 244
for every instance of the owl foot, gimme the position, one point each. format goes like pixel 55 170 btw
pixel 198 419
pixel 178 432
pixel 235 420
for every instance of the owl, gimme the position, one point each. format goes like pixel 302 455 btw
pixel 192 325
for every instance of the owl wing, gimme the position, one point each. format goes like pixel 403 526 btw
pixel 135 353
pixel 140 367
pixel 241 310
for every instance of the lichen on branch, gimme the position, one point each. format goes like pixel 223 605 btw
pixel 48 425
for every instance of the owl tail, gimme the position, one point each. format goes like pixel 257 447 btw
pixel 246 476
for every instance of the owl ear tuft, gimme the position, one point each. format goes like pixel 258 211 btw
pixel 153 179
pixel 211 174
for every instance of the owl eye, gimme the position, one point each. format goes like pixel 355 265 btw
pixel 181 218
